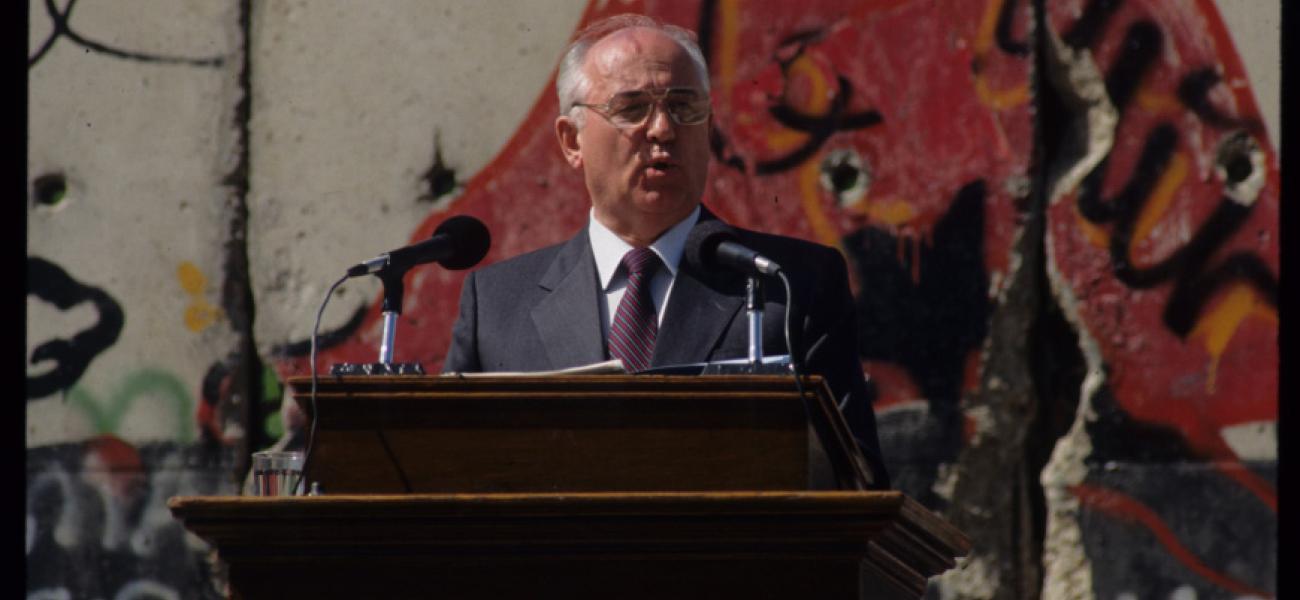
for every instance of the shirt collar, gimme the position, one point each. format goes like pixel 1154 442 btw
pixel 609 249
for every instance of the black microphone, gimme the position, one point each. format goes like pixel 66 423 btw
pixel 714 244
pixel 458 243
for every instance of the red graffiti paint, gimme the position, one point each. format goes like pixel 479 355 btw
pixel 1120 506
pixel 950 108
pixel 114 463
pixel 1195 367
pixel 922 98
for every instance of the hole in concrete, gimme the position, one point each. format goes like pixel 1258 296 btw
pixel 1057 369
pixel 1234 157
pixel 439 180
pixel 844 174
pixel 50 189
pixel 1239 163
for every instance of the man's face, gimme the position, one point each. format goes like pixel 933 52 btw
pixel 645 178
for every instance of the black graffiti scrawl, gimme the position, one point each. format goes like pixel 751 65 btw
pixel 927 318
pixel 72 356
pixel 63 29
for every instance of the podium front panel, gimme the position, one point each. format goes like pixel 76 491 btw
pixel 441 434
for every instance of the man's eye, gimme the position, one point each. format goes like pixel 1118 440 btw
pixel 634 110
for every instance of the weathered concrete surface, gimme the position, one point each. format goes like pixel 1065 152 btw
pixel 143 147
pixel 348 106
pixel 1256 30
pixel 1070 446
pixel 132 133
pixel 1164 257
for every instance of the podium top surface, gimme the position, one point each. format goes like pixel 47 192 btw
pixel 857 518
pixel 541 383
pixel 451 534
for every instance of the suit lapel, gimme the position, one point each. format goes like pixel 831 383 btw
pixel 697 317
pixel 568 317
pixel 700 308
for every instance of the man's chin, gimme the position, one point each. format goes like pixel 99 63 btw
pixel 664 202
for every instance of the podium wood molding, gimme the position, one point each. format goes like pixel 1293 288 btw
pixel 717 544
pixel 592 486
pixel 493 434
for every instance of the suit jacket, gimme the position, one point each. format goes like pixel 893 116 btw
pixel 539 311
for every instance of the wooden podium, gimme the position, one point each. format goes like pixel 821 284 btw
pixel 576 486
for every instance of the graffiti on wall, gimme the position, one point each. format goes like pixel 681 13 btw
pixel 901 132
pixel 98 524
pixel 825 128
pixel 61 27
pixel 1170 246
pixel 70 357
pixel 166 393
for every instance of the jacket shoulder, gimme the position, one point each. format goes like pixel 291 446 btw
pixel 790 251
pixel 535 261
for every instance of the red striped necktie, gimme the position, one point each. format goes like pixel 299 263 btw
pixel 635 324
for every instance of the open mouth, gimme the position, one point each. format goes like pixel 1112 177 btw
pixel 660 166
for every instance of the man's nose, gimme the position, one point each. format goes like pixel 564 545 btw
pixel 661 127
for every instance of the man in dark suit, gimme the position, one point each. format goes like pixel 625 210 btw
pixel 619 288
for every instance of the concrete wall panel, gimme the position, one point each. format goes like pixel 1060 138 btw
pixel 366 121
pixel 1164 255
pixel 132 134
pixel 1109 319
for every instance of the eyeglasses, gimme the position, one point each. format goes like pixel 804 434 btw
pixel 627 110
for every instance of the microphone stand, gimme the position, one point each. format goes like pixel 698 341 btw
pixel 754 311
pixel 394 288
pixel 754 363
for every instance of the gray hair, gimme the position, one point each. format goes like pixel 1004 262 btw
pixel 571 84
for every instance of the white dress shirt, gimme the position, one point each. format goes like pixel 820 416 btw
pixel 609 250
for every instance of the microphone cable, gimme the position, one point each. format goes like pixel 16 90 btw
pixel 789 341
pixel 311 432
pixel 857 478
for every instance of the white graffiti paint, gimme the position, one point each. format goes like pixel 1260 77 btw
pixel 67 529
pixel 1182 592
pixel 94 500
pixel 168 479
pixel 146 589
pixel 50 594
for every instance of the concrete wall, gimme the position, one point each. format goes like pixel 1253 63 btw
pixel 1062 229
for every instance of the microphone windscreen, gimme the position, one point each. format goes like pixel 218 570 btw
pixel 470 241
pixel 701 246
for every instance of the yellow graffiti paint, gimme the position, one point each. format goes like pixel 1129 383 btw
pixel 729 46
pixel 995 99
pixel 818 104
pixel 810 199
pixel 191 278
pixel 785 139
pixel 1095 235
pixel 1001 99
pixel 892 212
pixel 988 26
pixel 199 314
pixel 1216 328
pixel 1161 197
pixel 1157 103
pixel 819 98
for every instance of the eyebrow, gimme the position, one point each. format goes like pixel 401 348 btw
pixel 670 90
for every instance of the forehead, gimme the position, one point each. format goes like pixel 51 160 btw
pixel 639 58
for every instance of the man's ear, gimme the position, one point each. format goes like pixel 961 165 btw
pixel 567 133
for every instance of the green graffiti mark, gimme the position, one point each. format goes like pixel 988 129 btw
pixel 154 383
pixel 272 395
pixel 270 386
pixel 274 426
